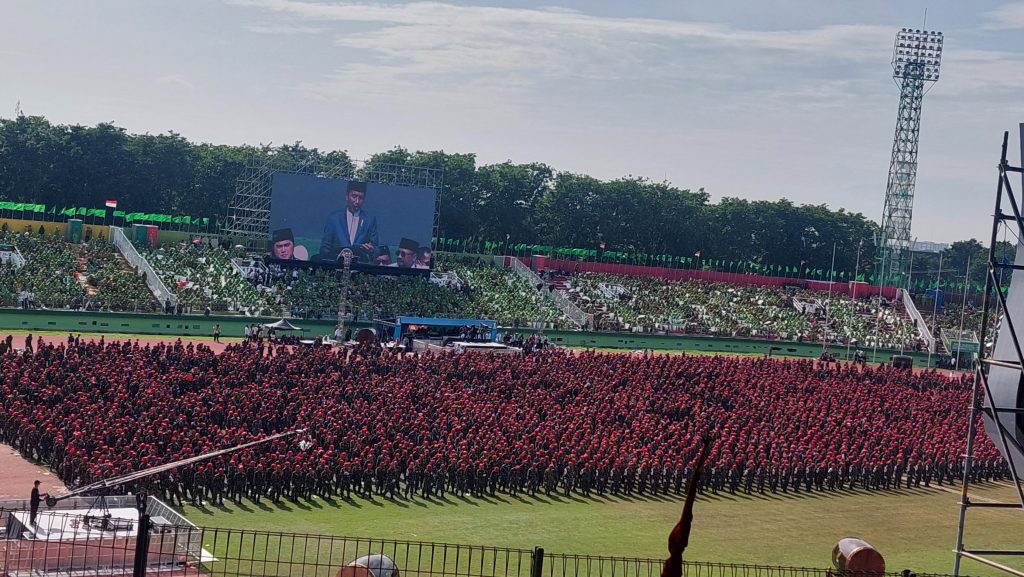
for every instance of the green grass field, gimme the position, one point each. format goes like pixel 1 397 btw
pixel 913 528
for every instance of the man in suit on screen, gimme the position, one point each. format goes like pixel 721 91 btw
pixel 350 227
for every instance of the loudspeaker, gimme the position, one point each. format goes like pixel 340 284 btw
pixel 902 362
pixel 1006 384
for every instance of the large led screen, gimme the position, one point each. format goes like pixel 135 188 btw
pixel 314 219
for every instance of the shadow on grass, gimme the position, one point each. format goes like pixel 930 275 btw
pixel 452 500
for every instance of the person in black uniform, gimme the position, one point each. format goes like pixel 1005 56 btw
pixel 34 502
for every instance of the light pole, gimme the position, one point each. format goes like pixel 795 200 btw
pixel 917 55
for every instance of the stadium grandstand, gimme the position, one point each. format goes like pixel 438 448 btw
pixel 206 278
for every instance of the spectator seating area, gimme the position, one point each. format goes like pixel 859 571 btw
pixel 202 276
pixel 482 291
pixel 645 304
pixel 572 422
pixel 500 294
pixel 317 294
pixel 112 283
pixel 60 275
pixel 950 316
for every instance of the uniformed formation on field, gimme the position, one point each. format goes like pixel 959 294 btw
pixel 215 486
pixel 437 426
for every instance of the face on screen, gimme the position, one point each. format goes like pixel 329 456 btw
pixel 406 257
pixel 355 200
pixel 284 249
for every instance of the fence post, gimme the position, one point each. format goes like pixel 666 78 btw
pixel 141 538
pixel 537 562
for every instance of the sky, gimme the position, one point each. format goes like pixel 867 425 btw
pixel 746 98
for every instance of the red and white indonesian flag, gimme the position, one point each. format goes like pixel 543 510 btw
pixel 110 204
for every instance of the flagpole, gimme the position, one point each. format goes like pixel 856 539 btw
pixel 935 303
pixel 910 272
pixel 963 310
pixel 831 271
pixel 853 291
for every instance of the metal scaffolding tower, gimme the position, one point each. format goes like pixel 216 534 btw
pixel 248 218
pixel 915 65
pixel 997 399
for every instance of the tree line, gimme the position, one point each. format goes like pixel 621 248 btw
pixel 517 204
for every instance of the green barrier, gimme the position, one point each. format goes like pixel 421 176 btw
pixel 708 344
pixel 234 326
pixel 143 324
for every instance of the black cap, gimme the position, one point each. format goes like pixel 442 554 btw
pixel 283 234
pixel 356 185
pixel 409 244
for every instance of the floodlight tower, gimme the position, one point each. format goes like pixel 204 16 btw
pixel 915 64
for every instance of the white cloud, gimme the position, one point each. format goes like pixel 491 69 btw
pixel 284 28
pixel 490 52
pixel 1006 17
pixel 983 73
pixel 176 80
pixel 849 41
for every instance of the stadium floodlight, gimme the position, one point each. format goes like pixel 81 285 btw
pixel 920 50
pixel 916 59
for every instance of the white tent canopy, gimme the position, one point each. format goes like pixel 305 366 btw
pixel 282 325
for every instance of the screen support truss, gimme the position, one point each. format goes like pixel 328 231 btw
pixel 994 300
pixel 248 219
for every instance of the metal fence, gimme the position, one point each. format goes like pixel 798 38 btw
pixel 913 313
pixel 156 286
pixel 65 543
pixel 567 307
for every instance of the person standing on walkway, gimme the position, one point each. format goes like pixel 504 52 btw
pixel 34 502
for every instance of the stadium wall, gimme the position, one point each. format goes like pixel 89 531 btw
pixel 707 344
pixel 142 324
pixel 234 326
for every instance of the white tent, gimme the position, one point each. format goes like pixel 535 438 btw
pixel 282 325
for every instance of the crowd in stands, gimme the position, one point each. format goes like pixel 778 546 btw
pixel 380 423
pixel 870 322
pixel 950 316
pixel 116 285
pixel 647 304
pixel 317 294
pixel 201 276
pixel 500 294
pixel 60 275
pixel 481 290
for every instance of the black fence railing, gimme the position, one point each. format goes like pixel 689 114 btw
pixel 71 543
